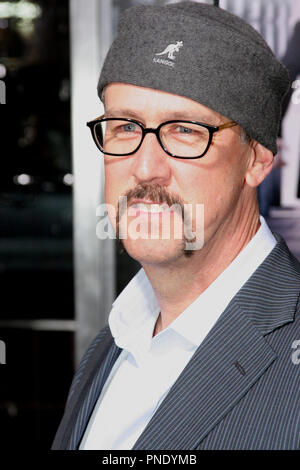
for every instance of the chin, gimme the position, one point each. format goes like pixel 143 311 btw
pixel 154 251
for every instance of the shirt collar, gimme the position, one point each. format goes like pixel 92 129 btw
pixel 135 311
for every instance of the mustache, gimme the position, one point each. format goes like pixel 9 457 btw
pixel 158 195
pixel 155 193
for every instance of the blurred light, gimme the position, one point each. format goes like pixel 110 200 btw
pixel 22 179
pixel 68 179
pixel 2 71
pixel 23 9
pixel 64 91
pixel 12 409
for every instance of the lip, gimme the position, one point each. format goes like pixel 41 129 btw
pixel 134 211
pixel 143 201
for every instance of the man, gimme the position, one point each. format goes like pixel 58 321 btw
pixel 201 347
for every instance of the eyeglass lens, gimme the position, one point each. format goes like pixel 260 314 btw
pixel 182 139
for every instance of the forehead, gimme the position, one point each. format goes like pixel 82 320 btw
pixel 122 99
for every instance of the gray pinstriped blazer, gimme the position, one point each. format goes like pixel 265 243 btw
pixel 239 391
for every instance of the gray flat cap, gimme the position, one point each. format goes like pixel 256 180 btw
pixel 204 53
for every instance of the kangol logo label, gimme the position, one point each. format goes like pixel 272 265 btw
pixel 169 51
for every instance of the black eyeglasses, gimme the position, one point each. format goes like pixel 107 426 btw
pixel 179 138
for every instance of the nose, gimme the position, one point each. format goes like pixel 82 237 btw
pixel 151 163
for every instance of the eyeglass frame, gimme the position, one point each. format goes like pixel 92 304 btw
pixel 148 130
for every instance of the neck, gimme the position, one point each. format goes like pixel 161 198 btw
pixel 176 286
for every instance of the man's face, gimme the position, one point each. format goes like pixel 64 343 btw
pixel 216 181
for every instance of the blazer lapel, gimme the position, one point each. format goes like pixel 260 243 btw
pixel 90 394
pixel 233 356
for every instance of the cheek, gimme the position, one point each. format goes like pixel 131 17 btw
pixel 217 188
pixel 113 182
pixel 108 192
pixel 117 181
pixel 111 197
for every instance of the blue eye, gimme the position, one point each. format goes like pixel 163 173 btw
pixel 129 127
pixel 185 130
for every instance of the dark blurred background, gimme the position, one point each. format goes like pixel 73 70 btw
pixel 41 311
pixel 36 252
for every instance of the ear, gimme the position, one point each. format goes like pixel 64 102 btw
pixel 260 164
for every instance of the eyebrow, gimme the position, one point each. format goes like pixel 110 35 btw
pixel 165 115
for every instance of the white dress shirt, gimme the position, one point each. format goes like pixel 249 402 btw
pixel 148 366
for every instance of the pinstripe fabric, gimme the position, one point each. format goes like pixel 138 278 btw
pixel 275 422
pixel 92 395
pixel 86 359
pixel 239 390
pixel 212 389
pixel 211 383
pixel 85 389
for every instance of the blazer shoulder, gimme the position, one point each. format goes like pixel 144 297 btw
pixel 271 296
